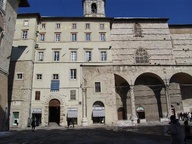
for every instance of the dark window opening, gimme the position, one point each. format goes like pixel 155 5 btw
pixel 94 8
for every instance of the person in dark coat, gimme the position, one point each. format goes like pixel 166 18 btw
pixel 33 124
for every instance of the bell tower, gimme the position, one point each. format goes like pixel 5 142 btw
pixel 94 8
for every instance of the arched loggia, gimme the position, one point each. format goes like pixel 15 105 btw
pixel 148 93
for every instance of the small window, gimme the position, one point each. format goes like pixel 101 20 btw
pixel 88 55
pixel 74 26
pixel 73 73
pixel 37 95
pixel 137 30
pixel 87 26
pixel 40 56
pixel 57 37
pixel 43 26
pixel 94 8
pixel 26 23
pixel 58 25
pixel 102 26
pixel 19 76
pixel 56 56
pixel 102 36
pixel 55 76
pixel 97 87
pixel 103 55
pixel 73 56
pixel 39 76
pixel 42 37
pixel 74 37
pixel 72 94
pixel 88 37
pixel 24 34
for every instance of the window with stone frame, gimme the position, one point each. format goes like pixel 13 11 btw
pixel 141 56
pixel 137 30
pixel 97 87
pixel 37 95
pixel 72 94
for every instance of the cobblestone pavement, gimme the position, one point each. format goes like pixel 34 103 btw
pixel 89 135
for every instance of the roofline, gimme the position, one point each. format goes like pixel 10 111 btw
pixel 24 3
pixel 140 19
pixel 180 25
pixel 27 15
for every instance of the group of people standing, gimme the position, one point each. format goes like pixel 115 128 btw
pixel 183 116
pixel 175 130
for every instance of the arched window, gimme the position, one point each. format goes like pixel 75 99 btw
pixel 137 30
pixel 141 56
pixel 94 8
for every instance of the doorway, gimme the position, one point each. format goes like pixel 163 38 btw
pixel 54 111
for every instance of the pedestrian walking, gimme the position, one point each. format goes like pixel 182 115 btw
pixel 33 124
pixel 175 131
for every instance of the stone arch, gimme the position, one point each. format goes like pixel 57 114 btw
pixel 148 91
pixel 50 97
pixel 98 113
pixel 122 87
pixel 180 91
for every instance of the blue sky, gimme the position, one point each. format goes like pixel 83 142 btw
pixel 178 11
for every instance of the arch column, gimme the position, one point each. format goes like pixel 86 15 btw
pixel 167 99
pixel 133 110
pixel 84 97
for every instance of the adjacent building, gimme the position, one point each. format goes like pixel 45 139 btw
pixel 8 16
pixel 98 70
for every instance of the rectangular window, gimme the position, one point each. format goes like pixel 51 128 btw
pixel 24 34
pixel 40 56
pixel 72 94
pixel 74 37
pixel 102 36
pixel 56 56
pixel 102 26
pixel 73 56
pixel 57 37
pixel 97 87
pixel 19 76
pixel 55 76
pixel 88 36
pixel 88 55
pixel 87 26
pixel 43 26
pixel 37 95
pixel 74 26
pixel 58 25
pixel 15 118
pixel 2 4
pixel 26 23
pixel 42 37
pixel 73 73
pixel 39 76
pixel 103 55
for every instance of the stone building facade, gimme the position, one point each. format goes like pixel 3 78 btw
pixel 99 70
pixel 8 16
